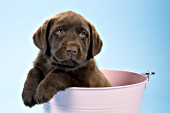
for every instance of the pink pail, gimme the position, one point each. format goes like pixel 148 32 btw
pixel 124 97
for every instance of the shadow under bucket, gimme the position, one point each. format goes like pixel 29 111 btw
pixel 124 97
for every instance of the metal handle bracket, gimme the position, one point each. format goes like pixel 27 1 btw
pixel 148 74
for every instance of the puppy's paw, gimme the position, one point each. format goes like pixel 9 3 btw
pixel 44 93
pixel 28 97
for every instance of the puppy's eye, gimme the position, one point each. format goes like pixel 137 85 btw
pixel 83 34
pixel 59 30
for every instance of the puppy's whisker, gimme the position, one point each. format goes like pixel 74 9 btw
pixel 54 59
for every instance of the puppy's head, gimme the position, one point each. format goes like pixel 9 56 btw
pixel 68 40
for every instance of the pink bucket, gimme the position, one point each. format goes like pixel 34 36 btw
pixel 124 97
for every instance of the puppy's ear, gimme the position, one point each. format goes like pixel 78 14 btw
pixel 95 42
pixel 40 37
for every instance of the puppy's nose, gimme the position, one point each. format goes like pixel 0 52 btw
pixel 71 51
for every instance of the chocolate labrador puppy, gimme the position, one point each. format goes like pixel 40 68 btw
pixel 67 43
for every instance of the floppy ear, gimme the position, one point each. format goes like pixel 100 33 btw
pixel 95 42
pixel 40 37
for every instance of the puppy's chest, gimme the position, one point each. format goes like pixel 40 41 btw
pixel 82 79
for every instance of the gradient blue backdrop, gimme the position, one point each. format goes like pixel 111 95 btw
pixel 136 36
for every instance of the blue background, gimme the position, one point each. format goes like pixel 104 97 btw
pixel 135 33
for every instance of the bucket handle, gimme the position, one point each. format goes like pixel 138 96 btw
pixel 147 74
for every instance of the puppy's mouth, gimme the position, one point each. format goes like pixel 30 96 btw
pixel 68 63
pixel 65 64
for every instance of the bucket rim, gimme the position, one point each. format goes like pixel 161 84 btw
pixel 114 87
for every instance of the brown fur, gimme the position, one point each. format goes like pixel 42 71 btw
pixel 67 44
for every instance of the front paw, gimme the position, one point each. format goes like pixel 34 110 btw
pixel 44 93
pixel 28 97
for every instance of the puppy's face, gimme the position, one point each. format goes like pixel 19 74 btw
pixel 68 40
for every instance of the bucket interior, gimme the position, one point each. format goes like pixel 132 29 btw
pixel 122 78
